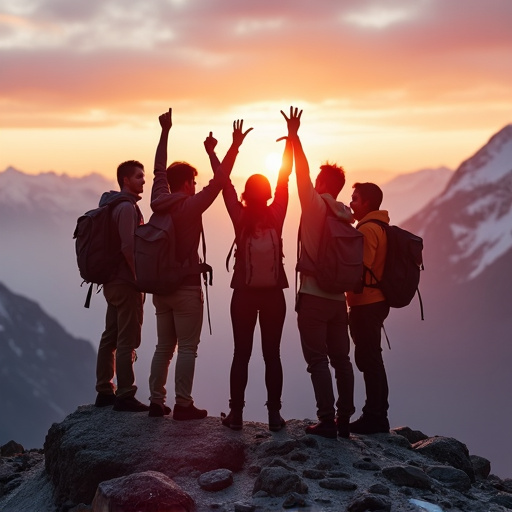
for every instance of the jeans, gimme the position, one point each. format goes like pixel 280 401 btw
pixel 365 328
pixel 324 338
pixel 120 339
pixel 246 306
pixel 179 319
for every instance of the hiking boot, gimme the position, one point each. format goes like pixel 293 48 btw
pixel 104 399
pixel 275 421
pixel 157 410
pixel 234 420
pixel 184 413
pixel 366 425
pixel 343 426
pixel 129 404
pixel 324 428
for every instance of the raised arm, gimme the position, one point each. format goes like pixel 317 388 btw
pixel 286 163
pixel 229 159
pixel 161 150
pixel 160 186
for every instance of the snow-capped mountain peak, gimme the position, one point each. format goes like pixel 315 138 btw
pixel 471 222
pixel 488 165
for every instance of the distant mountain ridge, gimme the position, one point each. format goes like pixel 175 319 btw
pixel 44 371
pixel 408 193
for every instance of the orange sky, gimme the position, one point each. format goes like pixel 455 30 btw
pixel 386 86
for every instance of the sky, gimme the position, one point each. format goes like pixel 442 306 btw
pixel 387 87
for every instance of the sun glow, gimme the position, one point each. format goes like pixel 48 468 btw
pixel 273 163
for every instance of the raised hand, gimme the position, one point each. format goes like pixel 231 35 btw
pixel 293 122
pixel 209 143
pixel 238 133
pixel 166 120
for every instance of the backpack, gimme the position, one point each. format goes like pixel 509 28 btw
pixel 157 269
pixel 404 261
pixel 263 255
pixel 339 264
pixel 97 246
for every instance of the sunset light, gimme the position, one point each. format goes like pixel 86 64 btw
pixel 385 88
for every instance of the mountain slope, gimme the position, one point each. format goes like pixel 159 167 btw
pixel 44 372
pixel 459 357
pixel 406 194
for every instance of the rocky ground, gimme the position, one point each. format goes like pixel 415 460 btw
pixel 97 460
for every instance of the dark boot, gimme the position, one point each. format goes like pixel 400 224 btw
pixel 370 425
pixel 275 421
pixel 324 428
pixel 234 420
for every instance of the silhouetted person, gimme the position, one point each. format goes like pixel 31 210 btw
pixel 179 315
pixel 123 324
pixel 258 282
pixel 369 309
pixel 322 316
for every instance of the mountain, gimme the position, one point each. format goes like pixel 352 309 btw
pixel 408 193
pixel 44 371
pixel 459 357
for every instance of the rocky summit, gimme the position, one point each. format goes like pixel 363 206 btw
pixel 101 460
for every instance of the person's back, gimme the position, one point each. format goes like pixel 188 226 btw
pixel 258 282
pixel 369 309
pixel 123 324
pixel 322 316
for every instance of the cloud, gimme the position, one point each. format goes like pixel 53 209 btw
pixel 62 60
pixel 380 17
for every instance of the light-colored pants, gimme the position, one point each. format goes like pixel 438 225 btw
pixel 120 339
pixel 179 319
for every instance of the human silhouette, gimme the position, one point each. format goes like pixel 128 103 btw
pixel 258 282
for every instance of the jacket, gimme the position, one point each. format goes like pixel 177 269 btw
pixel 126 216
pixel 374 257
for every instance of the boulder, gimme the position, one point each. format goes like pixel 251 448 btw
pixel 448 451
pixel 278 481
pixel 149 491
pixel 450 477
pixel 94 444
pixel 409 476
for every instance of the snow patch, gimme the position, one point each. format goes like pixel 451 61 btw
pixel 15 348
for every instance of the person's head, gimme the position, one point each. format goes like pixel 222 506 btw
pixel 130 177
pixel 330 179
pixel 181 177
pixel 366 198
pixel 257 190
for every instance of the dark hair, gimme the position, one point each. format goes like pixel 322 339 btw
pixel 333 177
pixel 256 213
pixel 127 170
pixel 257 190
pixel 178 173
pixel 370 193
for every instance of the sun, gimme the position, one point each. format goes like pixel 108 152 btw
pixel 273 163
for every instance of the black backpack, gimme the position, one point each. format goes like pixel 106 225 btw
pixel 157 269
pixel 97 245
pixel 404 262
pixel 339 264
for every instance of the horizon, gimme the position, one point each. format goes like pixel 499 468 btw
pixel 386 89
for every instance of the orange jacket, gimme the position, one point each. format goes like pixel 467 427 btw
pixel 374 257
